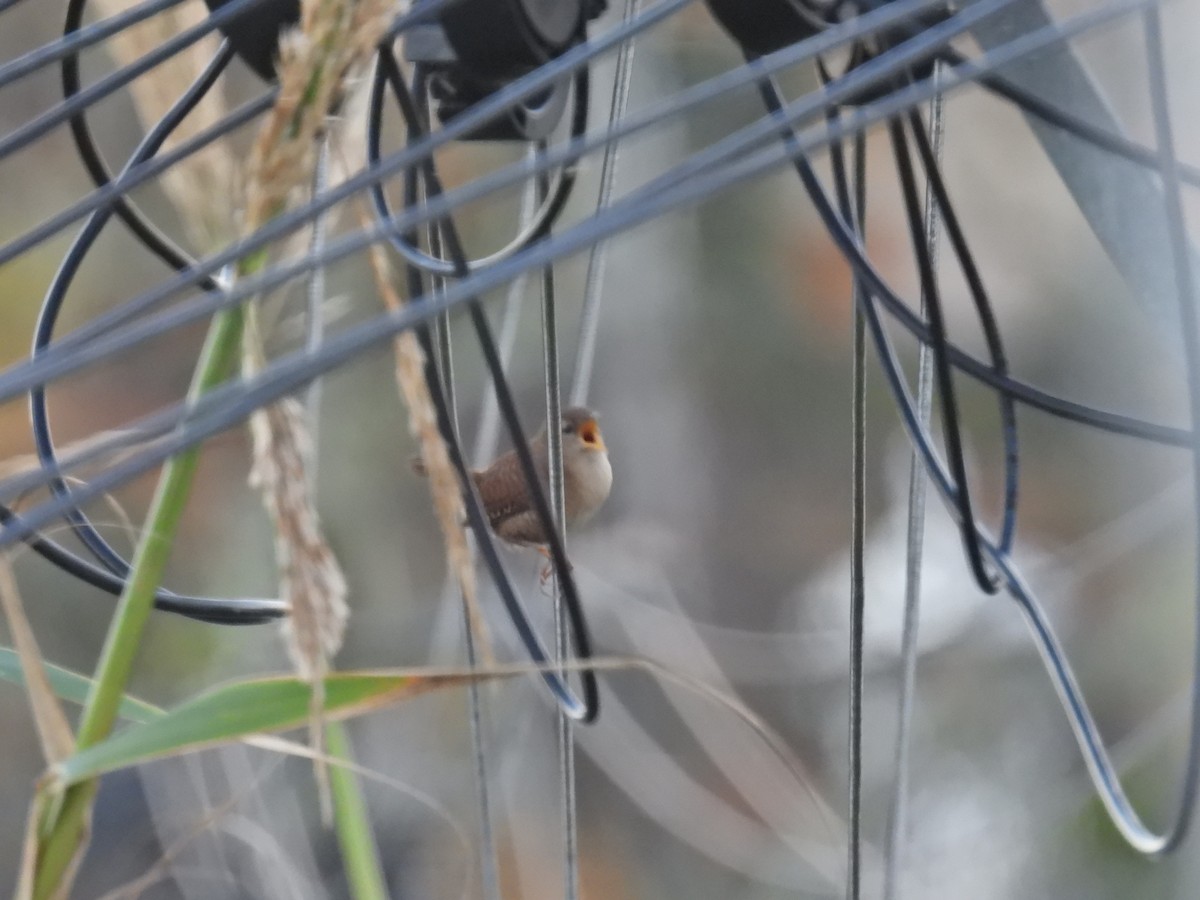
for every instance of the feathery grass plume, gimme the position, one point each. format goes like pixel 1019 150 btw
pixel 199 186
pixel 311 580
pixel 334 38
pixel 435 457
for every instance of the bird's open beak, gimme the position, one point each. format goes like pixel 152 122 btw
pixel 589 433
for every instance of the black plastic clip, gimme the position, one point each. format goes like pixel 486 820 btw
pixel 254 34
pixel 479 46
pixel 766 26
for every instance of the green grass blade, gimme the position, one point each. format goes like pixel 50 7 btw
pixel 240 709
pixel 360 854
pixel 73 687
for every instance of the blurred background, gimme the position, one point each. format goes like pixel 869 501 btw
pixel 723 375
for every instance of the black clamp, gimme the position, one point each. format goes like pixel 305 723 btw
pixel 479 46
pixel 254 33
pixel 766 26
pixel 473 49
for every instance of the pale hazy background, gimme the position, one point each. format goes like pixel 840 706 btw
pixel 723 377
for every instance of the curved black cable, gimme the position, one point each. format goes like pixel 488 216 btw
pixel 85 346
pixel 69 267
pixel 225 612
pixel 52 118
pixel 130 178
pixel 687 99
pixel 947 397
pixel 550 209
pixel 987 320
pixel 931 295
pixel 1104 776
pixel 238 611
pixel 89 154
pixel 584 709
pixel 19 379
pixel 1117 144
pixel 226 405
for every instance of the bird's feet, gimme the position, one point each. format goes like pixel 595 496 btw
pixel 548 569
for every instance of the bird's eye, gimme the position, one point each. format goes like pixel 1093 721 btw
pixel 568 428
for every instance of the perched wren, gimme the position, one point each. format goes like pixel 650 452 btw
pixel 587 479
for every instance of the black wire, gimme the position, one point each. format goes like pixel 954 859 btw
pixel 571 153
pixel 44 333
pixel 78 348
pixel 226 612
pixel 1189 324
pixel 854 212
pixel 80 39
pixel 242 611
pixel 80 352
pixel 106 197
pixel 228 404
pixel 248 611
pixel 67 110
pixel 150 237
pixel 987 320
pixel 460 126
pixel 952 430
pixel 553 207
pixel 846 241
pixel 587 708
pixel 1091 744
pixel 1117 144
pixel 81 246
pixel 931 296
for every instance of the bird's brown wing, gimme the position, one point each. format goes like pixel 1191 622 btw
pixel 506 499
pixel 522 528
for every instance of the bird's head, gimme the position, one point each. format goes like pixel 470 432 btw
pixel 581 432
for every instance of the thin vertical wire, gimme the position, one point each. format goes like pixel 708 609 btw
pixel 489 418
pixel 854 212
pixel 488 862
pixel 566 745
pixel 1186 294
pixel 487 432
pixel 441 326
pixel 485 443
pixel 897 828
pixel 857 541
pixel 589 322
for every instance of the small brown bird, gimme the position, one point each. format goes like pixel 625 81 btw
pixel 587 479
